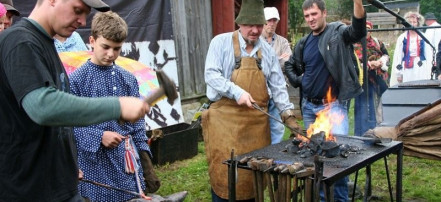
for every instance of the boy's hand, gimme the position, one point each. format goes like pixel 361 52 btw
pixel 80 174
pixel 111 139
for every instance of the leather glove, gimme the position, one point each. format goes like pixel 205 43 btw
pixel 290 120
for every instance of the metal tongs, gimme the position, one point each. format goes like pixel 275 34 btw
pixel 278 120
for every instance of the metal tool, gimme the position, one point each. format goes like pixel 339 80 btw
pixel 116 188
pixel 278 120
pixel 167 88
pixel 371 140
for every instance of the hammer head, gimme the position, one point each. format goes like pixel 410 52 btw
pixel 168 86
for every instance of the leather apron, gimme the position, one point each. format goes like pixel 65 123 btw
pixel 227 126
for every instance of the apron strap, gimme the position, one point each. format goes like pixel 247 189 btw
pixel 259 59
pixel 237 55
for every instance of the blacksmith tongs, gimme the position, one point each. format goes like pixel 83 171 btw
pixel 294 130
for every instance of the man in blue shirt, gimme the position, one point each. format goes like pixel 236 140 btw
pixel 322 64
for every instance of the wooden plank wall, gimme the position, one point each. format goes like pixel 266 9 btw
pixel 382 18
pixel 192 30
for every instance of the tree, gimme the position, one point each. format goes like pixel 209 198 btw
pixel 295 16
pixel 339 9
pixel 433 6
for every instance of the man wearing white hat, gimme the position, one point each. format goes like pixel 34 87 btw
pixel 279 43
pixel 283 51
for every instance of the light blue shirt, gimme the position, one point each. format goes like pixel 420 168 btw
pixel 219 66
pixel 72 43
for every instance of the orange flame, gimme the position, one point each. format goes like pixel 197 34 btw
pixel 325 120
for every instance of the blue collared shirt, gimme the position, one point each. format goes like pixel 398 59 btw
pixel 99 163
pixel 219 66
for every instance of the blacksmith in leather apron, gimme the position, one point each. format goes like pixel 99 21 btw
pixel 227 125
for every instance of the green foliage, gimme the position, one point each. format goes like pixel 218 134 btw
pixel 433 6
pixel 342 9
pixel 295 15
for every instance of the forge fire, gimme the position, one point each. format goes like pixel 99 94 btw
pixel 319 138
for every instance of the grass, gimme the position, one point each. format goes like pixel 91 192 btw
pixel 190 175
pixel 421 177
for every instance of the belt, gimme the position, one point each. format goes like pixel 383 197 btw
pixel 316 101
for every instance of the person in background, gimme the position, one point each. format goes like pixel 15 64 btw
pixel 72 43
pixel 283 51
pixel 2 17
pixel 38 153
pixel 433 35
pixel 412 55
pixel 279 43
pixel 322 61
pixel 241 71
pixel 438 61
pixel 102 147
pixel 367 108
pixel 11 12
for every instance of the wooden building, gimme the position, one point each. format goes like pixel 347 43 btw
pixel 225 12
pixel 195 23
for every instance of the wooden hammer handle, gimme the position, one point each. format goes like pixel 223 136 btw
pixel 155 96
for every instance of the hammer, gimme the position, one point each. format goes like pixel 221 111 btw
pixel 167 88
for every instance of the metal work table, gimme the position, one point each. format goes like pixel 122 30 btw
pixel 337 167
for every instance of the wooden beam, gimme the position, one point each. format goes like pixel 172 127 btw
pixel 222 16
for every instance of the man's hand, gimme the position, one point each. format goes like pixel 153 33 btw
pixel 293 125
pixel 358 9
pixel 111 139
pixel 246 99
pixel 290 120
pixel 132 108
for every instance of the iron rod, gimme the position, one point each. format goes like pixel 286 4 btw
pixel 114 188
